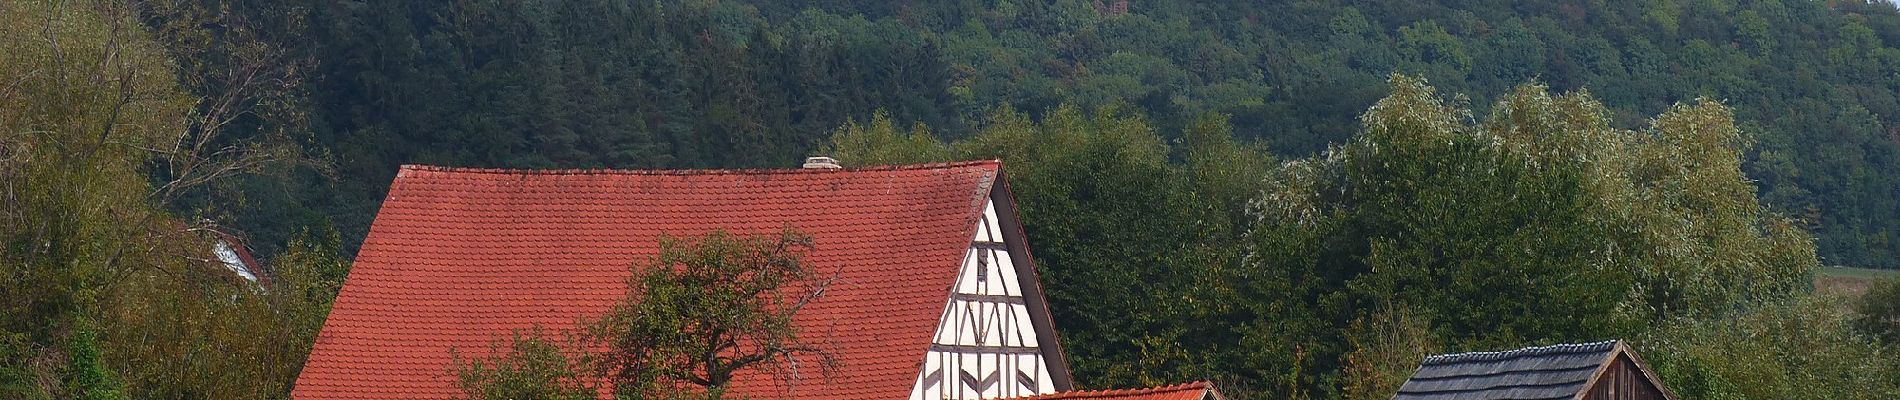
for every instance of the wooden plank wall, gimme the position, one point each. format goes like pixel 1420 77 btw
pixel 1622 381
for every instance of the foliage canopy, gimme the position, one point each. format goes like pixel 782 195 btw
pixel 700 311
pixel 107 294
pixel 1540 223
pixel 739 83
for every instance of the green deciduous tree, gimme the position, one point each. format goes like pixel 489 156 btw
pixel 880 142
pixel 1129 228
pixel 106 294
pixel 1796 348
pixel 534 365
pixel 1387 346
pixel 702 310
pixel 706 307
pixel 87 92
pixel 1541 223
pixel 1878 311
pixel 86 375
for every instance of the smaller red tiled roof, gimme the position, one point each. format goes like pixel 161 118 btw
pixel 1186 391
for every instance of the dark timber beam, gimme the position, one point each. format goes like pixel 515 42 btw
pixel 959 349
pixel 986 298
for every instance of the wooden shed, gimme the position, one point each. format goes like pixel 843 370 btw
pixel 1607 370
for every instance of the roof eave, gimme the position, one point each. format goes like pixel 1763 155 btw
pixel 1622 348
pixel 1641 366
pixel 1007 216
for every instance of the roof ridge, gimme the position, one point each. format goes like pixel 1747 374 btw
pixel 713 171
pixel 1528 351
pixel 1109 393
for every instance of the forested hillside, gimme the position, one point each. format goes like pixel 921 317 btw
pixel 1294 199
pixel 729 84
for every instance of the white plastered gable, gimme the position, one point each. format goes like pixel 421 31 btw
pixel 987 345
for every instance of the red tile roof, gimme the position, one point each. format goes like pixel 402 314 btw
pixel 1186 391
pixel 459 257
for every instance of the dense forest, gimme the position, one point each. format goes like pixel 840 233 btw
pixel 695 84
pixel 1344 186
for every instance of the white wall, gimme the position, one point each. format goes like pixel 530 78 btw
pixel 996 344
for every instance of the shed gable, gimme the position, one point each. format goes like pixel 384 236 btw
pixel 1624 379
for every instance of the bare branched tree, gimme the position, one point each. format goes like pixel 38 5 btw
pixel 247 104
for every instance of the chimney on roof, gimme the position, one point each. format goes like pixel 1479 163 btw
pixel 822 163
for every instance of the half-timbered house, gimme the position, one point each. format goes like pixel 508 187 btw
pixel 936 295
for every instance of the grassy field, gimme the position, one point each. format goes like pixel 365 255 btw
pixel 1851 282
